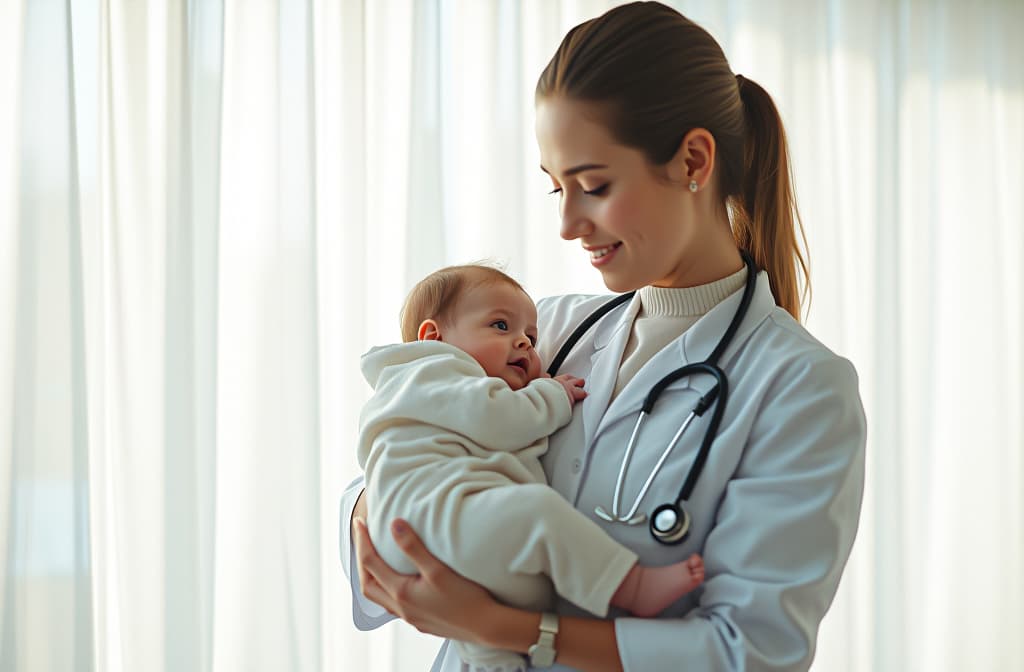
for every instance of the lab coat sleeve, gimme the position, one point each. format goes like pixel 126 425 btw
pixel 782 535
pixel 366 615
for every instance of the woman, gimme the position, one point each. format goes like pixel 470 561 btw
pixel 668 168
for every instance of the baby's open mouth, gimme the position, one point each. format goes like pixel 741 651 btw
pixel 521 363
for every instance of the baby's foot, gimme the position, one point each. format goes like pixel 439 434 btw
pixel 647 591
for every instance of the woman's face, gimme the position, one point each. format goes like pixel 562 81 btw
pixel 637 226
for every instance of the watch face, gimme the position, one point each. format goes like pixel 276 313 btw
pixel 541 656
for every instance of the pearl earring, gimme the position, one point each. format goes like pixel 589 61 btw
pixel 693 186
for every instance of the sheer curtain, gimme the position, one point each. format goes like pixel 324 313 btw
pixel 209 209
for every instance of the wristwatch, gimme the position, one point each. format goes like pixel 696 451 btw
pixel 542 654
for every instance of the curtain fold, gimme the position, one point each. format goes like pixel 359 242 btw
pixel 209 210
pixel 46 544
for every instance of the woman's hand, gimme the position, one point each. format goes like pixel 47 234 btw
pixel 359 511
pixel 437 601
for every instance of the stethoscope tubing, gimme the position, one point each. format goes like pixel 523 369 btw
pixel 716 396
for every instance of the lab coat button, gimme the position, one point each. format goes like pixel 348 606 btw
pixel 577 464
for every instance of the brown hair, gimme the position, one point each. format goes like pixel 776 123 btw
pixel 656 75
pixel 436 296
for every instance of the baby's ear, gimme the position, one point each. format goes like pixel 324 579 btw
pixel 429 331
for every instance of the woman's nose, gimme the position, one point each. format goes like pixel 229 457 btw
pixel 575 223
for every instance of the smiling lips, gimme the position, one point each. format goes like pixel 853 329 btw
pixel 600 255
pixel 598 252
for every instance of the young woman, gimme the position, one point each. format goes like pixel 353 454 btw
pixel 672 172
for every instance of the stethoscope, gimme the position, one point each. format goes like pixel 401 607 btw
pixel 670 522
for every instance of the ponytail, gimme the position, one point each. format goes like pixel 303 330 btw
pixel 765 216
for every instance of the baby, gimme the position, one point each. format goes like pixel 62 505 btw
pixel 451 441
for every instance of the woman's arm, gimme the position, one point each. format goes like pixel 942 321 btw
pixel 443 603
pixel 365 614
pixel 582 643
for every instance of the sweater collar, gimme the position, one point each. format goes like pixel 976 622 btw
pixel 689 301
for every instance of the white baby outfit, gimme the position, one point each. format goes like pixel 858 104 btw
pixel 456 453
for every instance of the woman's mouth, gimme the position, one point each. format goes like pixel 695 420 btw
pixel 600 256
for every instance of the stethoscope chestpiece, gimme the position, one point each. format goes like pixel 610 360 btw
pixel 670 524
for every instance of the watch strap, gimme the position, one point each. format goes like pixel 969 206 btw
pixel 542 654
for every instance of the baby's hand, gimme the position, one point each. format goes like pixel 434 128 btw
pixel 573 387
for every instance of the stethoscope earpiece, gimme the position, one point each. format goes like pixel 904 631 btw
pixel 670 524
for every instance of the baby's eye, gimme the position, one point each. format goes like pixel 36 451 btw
pixel 533 341
pixel 500 324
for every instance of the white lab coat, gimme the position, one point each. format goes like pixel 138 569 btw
pixel 776 507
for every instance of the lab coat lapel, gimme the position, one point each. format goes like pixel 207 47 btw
pixel 609 343
pixel 694 345
pixel 700 339
pixel 632 396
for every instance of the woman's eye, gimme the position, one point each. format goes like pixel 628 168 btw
pixel 598 191
pixel 556 190
pixel 500 324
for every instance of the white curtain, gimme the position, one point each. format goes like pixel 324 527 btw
pixel 210 208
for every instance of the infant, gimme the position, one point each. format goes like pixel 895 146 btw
pixel 451 441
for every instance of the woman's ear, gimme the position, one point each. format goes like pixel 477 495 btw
pixel 694 159
pixel 429 331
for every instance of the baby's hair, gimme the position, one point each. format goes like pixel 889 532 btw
pixel 435 296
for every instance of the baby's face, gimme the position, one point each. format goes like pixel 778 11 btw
pixel 496 324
